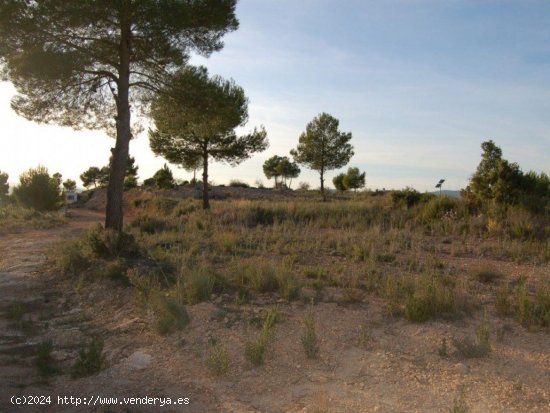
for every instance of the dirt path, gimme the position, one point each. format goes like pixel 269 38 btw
pixel 36 307
pixel 397 369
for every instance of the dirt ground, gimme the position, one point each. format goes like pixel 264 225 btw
pixel 393 366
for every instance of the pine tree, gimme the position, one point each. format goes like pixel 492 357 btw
pixel 322 147
pixel 85 64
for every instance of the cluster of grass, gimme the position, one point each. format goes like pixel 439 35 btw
pixel 264 276
pixel 426 297
pixel 98 252
pixel 217 360
pixel 480 347
pixel 529 308
pixel 274 247
pixel 365 338
pixel 90 359
pixel 488 275
pixel 14 218
pixel 434 298
pixel 17 314
pixel 459 404
pixel 309 337
pixel 170 313
pixel 176 254
pixel 44 361
pixel 255 349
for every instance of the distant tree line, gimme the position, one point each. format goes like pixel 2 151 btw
pixel 37 189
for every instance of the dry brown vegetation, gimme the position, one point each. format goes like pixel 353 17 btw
pixel 357 304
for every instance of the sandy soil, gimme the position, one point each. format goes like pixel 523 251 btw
pixel 398 369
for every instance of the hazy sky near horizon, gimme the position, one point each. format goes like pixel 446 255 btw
pixel 419 83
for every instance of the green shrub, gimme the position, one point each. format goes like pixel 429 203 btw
pixel 107 243
pixel 69 258
pixel 438 207
pixel 163 178
pixel 170 314
pixel 481 347
pixel 148 224
pixel 487 275
pixel 532 309
pixel 459 404
pixel 433 298
pixel 218 360
pixel 260 275
pixel 16 310
pixel 288 284
pixel 38 190
pixel 146 281
pixel 165 206
pixel 198 284
pixel 504 304
pixel 271 318
pixel 309 338
pixel 255 349
pixel 116 271
pixel 44 361
pixel 406 197
pixel 14 218
pixel 90 360
pixel 186 207
pixel 365 337
pixel 235 183
pixel 259 215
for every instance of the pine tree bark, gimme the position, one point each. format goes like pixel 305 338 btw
pixel 205 201
pixel 114 216
pixel 323 185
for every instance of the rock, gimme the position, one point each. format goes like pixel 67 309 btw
pixel 139 360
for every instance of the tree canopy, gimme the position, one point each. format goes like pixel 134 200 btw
pixel 163 178
pixel 352 179
pixel 91 176
pixel 38 190
pixel 69 185
pixel 338 182
pixel 271 169
pixel 84 64
pixel 323 147
pixel 100 176
pixel 4 185
pixel 280 166
pixel 196 116
pixel 501 182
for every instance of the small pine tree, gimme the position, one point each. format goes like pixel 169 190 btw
pixel 90 177
pixel 69 185
pixel 322 147
pixel 38 190
pixel 338 182
pixel 164 178
pixel 4 186
pixel 354 179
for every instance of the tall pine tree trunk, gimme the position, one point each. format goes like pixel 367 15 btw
pixel 114 213
pixel 205 201
pixel 323 185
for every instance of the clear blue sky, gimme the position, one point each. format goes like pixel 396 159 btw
pixel 419 83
